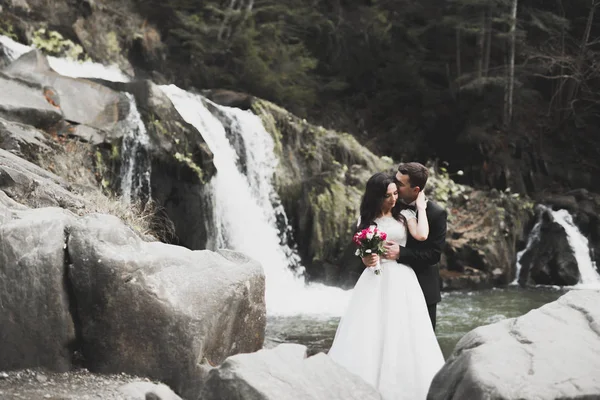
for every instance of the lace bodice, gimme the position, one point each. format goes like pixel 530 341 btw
pixel 396 230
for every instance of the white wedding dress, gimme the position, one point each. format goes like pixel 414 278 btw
pixel 385 335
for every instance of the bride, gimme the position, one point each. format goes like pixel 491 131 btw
pixel 385 335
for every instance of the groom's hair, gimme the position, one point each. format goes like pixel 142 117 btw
pixel 417 173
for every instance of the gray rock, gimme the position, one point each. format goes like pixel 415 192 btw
pixel 81 101
pixel 550 353
pixel 284 373
pixel 141 390
pixel 158 310
pixel 33 186
pixel 36 327
pixel 549 259
pixel 25 102
pixel 23 140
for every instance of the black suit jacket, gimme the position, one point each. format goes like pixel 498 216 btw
pixel 424 256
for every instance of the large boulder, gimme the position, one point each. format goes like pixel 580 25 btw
pixel 284 373
pixel 549 353
pixel 36 324
pixel 159 310
pixel 25 102
pixel 548 258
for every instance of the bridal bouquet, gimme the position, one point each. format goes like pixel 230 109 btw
pixel 370 241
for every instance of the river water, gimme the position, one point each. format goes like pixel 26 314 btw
pixel 458 313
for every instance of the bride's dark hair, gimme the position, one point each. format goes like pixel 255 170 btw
pixel 373 198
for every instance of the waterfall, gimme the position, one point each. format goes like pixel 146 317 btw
pixel 246 206
pixel 67 67
pixel 588 274
pixel 135 160
pixel 579 244
pixel 532 240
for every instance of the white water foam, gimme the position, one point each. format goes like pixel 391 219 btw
pixel 66 67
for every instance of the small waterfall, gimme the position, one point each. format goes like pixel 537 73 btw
pixel 66 67
pixel 246 134
pixel 135 160
pixel 246 206
pixel 532 240
pixel 589 276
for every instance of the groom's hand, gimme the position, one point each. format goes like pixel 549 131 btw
pixel 392 250
pixel 370 261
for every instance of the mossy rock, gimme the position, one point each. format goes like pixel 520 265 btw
pixel 320 178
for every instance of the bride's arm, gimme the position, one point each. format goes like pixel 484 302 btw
pixel 419 228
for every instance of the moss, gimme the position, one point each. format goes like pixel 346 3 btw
pixel 260 108
pixel 115 153
pixel 159 127
pixel 99 162
pixel 112 45
pixel 101 170
pixel 443 189
pixel 187 160
pixel 334 208
pixel 7 29
pixel 54 44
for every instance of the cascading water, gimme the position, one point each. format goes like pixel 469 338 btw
pixel 532 240
pixel 135 161
pixel 244 214
pixel 66 67
pixel 246 134
pixel 589 277
pixel 587 268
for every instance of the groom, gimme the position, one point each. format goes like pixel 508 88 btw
pixel 421 256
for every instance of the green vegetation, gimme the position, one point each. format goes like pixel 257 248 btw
pixel 187 160
pixel 54 44
pixel 7 29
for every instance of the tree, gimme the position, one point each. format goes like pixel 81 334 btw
pixel 250 45
pixel 508 105
pixel 568 63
